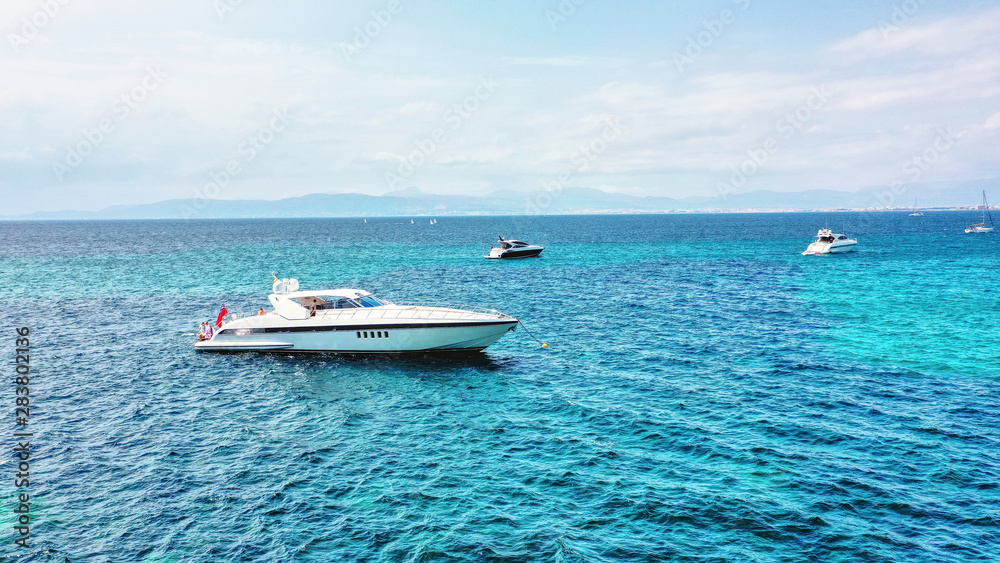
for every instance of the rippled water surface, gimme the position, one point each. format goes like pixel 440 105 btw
pixel 708 393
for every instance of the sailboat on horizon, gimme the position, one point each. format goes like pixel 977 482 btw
pixel 981 227
pixel 915 212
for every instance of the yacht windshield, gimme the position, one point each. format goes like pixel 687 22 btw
pixel 322 302
pixel 372 301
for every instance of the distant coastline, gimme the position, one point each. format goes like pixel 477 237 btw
pixel 457 215
pixel 412 202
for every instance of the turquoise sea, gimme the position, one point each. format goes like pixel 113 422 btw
pixel 708 394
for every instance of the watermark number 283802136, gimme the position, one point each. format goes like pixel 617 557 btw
pixel 22 437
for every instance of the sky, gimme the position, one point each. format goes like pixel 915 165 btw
pixel 109 102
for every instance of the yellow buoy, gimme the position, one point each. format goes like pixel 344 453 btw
pixel 544 345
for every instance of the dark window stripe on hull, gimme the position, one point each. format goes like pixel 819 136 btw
pixel 426 351
pixel 335 328
pixel 524 254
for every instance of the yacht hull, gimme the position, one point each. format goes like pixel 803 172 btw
pixel 517 253
pixel 826 248
pixel 369 338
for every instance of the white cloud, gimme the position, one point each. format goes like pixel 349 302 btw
pixel 948 37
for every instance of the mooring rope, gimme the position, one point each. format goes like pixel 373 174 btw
pixel 544 345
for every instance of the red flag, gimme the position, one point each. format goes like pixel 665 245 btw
pixel 222 313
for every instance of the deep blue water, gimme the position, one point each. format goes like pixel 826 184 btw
pixel 708 393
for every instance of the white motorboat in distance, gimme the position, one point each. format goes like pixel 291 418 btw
pixel 513 249
pixel 354 321
pixel 829 243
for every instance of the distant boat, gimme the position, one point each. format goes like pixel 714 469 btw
pixel 981 227
pixel 513 249
pixel 366 220
pixel 829 243
pixel 411 221
pixel 915 212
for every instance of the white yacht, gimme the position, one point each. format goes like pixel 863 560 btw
pixel 513 249
pixel 829 243
pixel 354 321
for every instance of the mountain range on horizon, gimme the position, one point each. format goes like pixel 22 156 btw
pixel 412 201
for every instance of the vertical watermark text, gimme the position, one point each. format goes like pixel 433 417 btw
pixel 22 437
